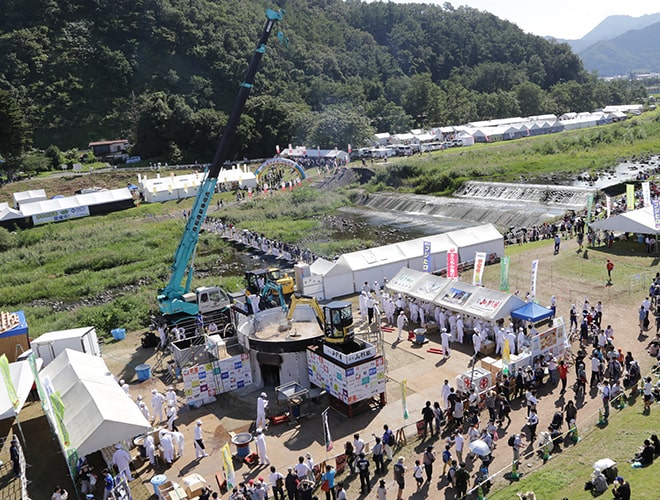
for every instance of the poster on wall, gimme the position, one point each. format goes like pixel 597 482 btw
pixel 455 296
pixel 204 381
pixel 349 385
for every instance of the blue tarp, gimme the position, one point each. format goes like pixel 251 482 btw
pixel 532 312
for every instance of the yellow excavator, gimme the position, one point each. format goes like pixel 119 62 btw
pixel 335 318
pixel 256 279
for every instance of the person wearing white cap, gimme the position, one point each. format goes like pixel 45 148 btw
pixel 168 446
pixel 150 449
pixel 444 337
pixel 125 386
pixel 199 441
pixel 138 400
pixel 261 448
pixel 262 404
pixel 172 415
pixel 179 441
pixel 401 321
pixel 157 400
pixel 145 411
pixel 170 396
pixel 122 459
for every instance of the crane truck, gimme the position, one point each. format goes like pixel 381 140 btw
pixel 176 301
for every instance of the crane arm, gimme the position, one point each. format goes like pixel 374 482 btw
pixel 170 298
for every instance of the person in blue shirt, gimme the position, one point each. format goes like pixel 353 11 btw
pixel 108 485
pixel 329 475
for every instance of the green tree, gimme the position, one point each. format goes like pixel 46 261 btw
pixel 338 126
pixel 15 135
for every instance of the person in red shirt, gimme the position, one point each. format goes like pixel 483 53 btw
pixel 562 369
pixel 610 266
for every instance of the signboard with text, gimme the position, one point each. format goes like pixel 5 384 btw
pixel 60 215
pixel 452 263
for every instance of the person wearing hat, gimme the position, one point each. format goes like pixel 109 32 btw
pixel 261 448
pixel 445 336
pixel 199 441
pixel 427 459
pixel 170 396
pixel 125 387
pixel 172 415
pixel 399 471
pixel 122 459
pixel 15 456
pixel 168 446
pixel 262 405
pixel 621 490
pixel 401 321
pixel 157 400
pixel 145 411
pixel 150 449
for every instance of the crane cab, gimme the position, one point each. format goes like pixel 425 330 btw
pixel 338 319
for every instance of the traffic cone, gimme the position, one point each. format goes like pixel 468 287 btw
pixel 601 419
pixel 514 470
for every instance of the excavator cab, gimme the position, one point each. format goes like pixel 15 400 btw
pixel 338 319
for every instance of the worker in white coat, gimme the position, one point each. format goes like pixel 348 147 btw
pixel 401 321
pixel 162 334
pixel 170 396
pixel 511 337
pixel 460 329
pixel 261 448
pixel 172 415
pixel 168 447
pixel 150 449
pixel 254 302
pixel 157 400
pixel 145 411
pixel 122 459
pixel 476 342
pixel 445 336
pixel 179 442
pixel 125 386
pixel 200 449
pixel 262 404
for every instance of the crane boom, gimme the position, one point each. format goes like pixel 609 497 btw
pixel 171 298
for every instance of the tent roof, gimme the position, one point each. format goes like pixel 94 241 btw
pixel 22 378
pixel 320 266
pixel 73 333
pixel 371 257
pixel 635 221
pixel 79 200
pixel 8 213
pixel 97 412
pixel 532 312
pixel 474 235
pixel 28 196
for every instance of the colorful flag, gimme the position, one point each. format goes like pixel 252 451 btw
pixel 656 213
pixel 228 466
pixel 426 262
pixel 479 263
pixel 6 375
pixel 326 431
pixel 404 389
pixel 452 264
pixel 630 196
pixel 506 357
pixel 504 274
pixel 646 193
pixel 535 270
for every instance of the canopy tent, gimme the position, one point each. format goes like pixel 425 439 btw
pixel 97 412
pixel 634 221
pixel 532 312
pixel 455 295
pixel 22 380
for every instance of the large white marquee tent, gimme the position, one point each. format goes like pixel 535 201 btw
pixel 351 270
pixel 635 221
pixel 97 412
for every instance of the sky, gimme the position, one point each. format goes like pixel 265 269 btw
pixel 567 19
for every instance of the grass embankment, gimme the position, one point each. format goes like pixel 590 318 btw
pixel 591 150
pixel 564 477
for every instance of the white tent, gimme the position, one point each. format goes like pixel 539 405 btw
pixel 484 238
pixel 97 412
pixel 22 379
pixel 636 221
pixel 24 197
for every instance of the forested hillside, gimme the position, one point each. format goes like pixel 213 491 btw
pixel 164 73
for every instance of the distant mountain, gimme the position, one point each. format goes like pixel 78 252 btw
pixel 609 28
pixel 636 50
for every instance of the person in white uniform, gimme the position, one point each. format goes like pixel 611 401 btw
pixel 199 441
pixel 445 336
pixel 179 442
pixel 150 448
pixel 126 387
pixel 401 321
pixel 476 342
pixel 262 404
pixel 460 329
pixel 170 396
pixel 122 459
pixel 261 448
pixel 157 400
pixel 168 446
pixel 172 415
pixel 145 411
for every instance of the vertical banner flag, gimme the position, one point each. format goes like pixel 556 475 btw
pixel 326 431
pixel 228 466
pixel 290 150
pixel 630 196
pixel 350 149
pixel 590 207
pixel 506 357
pixel 426 262
pixel 608 206
pixel 535 269
pixel 479 263
pixel 452 264
pixel 404 386
pixel 6 376
pixel 656 213
pixel 646 193
pixel 504 274
pixel 277 149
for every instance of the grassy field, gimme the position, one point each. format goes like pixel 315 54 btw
pixel 565 475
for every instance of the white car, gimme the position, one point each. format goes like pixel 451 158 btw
pixel 134 159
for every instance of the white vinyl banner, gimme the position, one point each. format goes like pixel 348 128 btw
pixel 535 269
